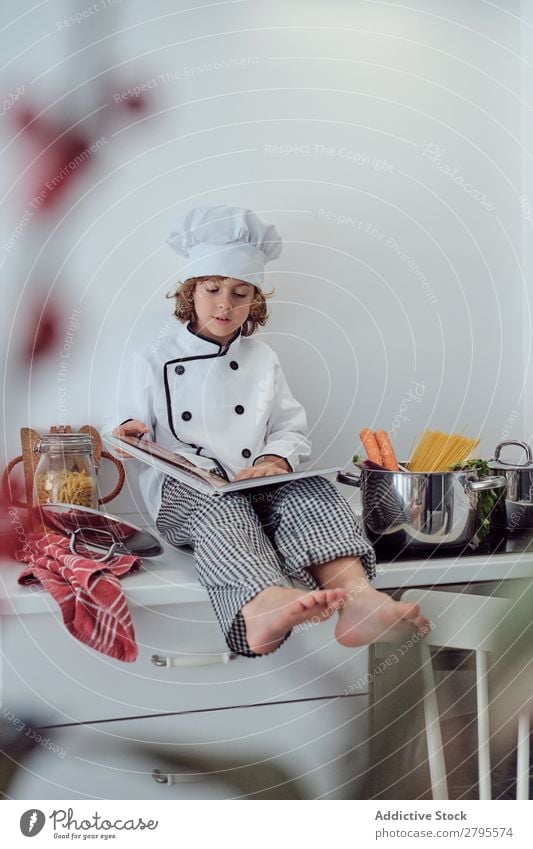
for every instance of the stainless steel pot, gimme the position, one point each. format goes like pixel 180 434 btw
pixel 420 510
pixel 516 511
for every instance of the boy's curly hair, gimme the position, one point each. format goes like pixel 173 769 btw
pixel 184 308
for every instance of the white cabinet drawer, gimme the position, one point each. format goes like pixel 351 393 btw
pixel 49 674
pixel 299 750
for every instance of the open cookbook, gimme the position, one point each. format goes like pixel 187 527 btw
pixel 206 478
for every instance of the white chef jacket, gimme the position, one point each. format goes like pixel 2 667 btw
pixel 220 405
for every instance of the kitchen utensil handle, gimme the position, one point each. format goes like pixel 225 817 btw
pixel 495 482
pixel 176 778
pixel 349 478
pixel 6 485
pixel 120 481
pixel 115 547
pixel 524 445
pixel 193 659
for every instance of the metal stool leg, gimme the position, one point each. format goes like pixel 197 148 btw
pixel 437 766
pixel 483 729
pixel 522 757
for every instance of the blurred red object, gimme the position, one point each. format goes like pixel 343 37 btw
pixel 14 527
pixel 67 158
pixel 42 333
pixel 136 104
pixel 59 154
pixel 16 521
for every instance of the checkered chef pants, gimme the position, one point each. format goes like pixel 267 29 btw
pixel 246 541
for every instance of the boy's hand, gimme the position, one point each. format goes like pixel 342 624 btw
pixel 268 465
pixel 131 428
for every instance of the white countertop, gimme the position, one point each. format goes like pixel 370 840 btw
pixel 171 578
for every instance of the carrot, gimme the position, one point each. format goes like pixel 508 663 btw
pixel 370 445
pixel 388 457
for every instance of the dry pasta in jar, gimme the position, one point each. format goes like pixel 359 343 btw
pixel 65 473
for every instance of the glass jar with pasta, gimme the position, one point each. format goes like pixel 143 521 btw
pixel 65 473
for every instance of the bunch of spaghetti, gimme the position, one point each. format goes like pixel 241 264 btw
pixel 436 451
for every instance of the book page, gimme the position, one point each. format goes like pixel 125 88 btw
pixel 178 461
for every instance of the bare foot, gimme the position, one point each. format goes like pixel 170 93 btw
pixel 275 610
pixel 369 616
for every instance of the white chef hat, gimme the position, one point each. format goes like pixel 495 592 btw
pixel 225 240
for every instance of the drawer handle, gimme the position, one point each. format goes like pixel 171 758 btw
pixel 193 659
pixel 176 778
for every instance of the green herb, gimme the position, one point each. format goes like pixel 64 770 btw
pixel 477 465
pixel 357 459
pixel 487 497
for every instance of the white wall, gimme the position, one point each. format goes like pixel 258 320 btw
pixel 424 284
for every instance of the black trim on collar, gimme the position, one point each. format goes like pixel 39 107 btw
pixel 213 341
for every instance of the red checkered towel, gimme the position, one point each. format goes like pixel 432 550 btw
pixel 89 593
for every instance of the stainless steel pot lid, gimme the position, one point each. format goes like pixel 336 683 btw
pixel 506 465
pixel 93 531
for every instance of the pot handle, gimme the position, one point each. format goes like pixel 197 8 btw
pixel 350 478
pixel 194 659
pixel 495 482
pixel 524 445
